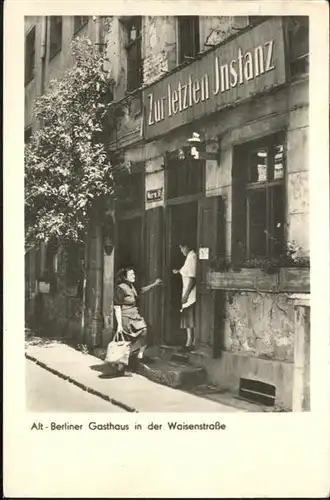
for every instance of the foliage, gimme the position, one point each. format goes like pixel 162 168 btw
pixel 67 164
pixel 290 257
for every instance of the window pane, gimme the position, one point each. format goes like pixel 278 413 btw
pixel 278 161
pixel 29 55
pixel 79 22
pixel 258 165
pixel 185 176
pixel 55 35
pixel 257 223
pixel 188 37
pixel 298 28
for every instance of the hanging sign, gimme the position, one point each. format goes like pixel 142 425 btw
pixel 203 253
pixel 251 63
pixel 155 194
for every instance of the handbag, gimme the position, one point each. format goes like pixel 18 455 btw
pixel 138 324
pixel 118 350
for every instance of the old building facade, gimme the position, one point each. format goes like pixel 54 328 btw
pixel 239 86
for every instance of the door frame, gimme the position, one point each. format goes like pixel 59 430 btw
pixel 169 204
pixel 129 215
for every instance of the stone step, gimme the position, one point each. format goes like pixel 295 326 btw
pixel 172 373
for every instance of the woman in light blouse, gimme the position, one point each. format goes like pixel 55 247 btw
pixel 188 299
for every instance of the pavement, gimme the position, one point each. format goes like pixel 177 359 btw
pixel 46 392
pixel 133 392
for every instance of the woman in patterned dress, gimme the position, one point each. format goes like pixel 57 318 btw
pixel 129 321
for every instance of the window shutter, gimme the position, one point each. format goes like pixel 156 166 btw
pixel 210 234
pixel 238 242
pixel 153 300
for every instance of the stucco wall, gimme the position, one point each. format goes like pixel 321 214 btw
pixel 159 47
pixel 215 29
pixel 260 324
pixel 57 65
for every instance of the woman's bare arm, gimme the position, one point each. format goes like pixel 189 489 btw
pixel 146 288
pixel 118 318
pixel 190 286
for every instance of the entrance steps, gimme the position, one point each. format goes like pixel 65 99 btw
pixel 166 366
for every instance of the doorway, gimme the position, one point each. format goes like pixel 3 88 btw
pixel 129 246
pixel 182 224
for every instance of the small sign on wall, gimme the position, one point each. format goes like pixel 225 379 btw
pixel 155 195
pixel 203 253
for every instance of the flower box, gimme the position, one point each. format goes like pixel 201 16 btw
pixel 244 280
pixel 294 279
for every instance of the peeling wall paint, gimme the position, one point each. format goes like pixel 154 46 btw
pixel 260 324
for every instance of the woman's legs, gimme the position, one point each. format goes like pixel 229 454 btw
pixel 190 337
pixel 143 343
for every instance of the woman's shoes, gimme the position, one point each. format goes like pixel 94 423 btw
pixel 120 371
pixel 187 348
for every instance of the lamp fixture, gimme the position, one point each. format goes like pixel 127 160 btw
pixel 197 149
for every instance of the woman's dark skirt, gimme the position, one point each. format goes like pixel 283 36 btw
pixel 137 339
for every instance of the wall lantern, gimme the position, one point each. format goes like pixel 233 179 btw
pixel 197 149
pixel 132 33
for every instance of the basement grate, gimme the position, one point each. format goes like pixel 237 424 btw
pixel 257 391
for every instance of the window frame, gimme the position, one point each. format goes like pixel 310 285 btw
pixel 181 59
pixel 290 44
pixel 55 47
pixel 244 188
pixel 135 82
pixel 131 199
pixel 76 29
pixel 181 161
pixel 30 56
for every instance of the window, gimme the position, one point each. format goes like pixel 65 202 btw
pixel 185 175
pixel 79 22
pixel 133 50
pixel 188 30
pixel 258 199
pixel 131 187
pixel 27 134
pixel 257 19
pixel 30 55
pixel 298 39
pixel 55 40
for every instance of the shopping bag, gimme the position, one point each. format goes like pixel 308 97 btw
pixel 118 350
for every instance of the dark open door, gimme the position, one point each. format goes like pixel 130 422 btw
pixel 152 301
pixel 211 236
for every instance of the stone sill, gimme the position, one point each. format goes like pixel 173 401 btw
pixel 286 280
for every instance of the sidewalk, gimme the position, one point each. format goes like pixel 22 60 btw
pixel 134 393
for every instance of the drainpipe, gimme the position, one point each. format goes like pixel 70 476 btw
pixel 84 300
pixel 97 317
